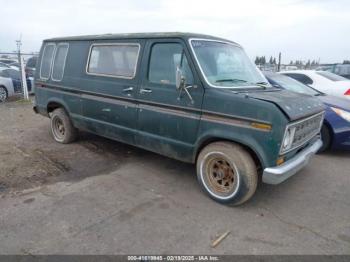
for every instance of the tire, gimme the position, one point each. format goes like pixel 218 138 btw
pixel 62 128
pixel 3 94
pixel 227 173
pixel 326 138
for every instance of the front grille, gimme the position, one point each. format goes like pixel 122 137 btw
pixel 306 129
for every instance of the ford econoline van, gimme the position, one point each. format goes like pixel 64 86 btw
pixel 195 98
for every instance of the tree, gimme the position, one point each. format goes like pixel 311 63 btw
pixel 346 62
pixel 308 64
pixel 257 60
pixel 291 62
pixel 274 61
pixel 271 60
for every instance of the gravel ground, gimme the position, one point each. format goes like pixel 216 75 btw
pixel 98 196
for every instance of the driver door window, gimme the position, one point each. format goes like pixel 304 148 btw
pixel 165 58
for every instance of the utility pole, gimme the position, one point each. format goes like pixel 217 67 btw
pixel 22 71
pixel 279 62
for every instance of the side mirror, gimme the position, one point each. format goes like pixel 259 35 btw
pixel 181 85
pixel 180 79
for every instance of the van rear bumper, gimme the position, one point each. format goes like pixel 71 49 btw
pixel 276 175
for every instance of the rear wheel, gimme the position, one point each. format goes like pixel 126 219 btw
pixel 227 173
pixel 3 94
pixel 326 138
pixel 62 128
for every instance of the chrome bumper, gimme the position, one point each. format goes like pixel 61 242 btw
pixel 276 175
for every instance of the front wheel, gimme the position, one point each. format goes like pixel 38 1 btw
pixel 227 173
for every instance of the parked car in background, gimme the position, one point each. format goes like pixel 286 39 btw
pixel 15 65
pixel 30 66
pixel 15 76
pixel 7 61
pixel 3 65
pixel 290 67
pixel 342 70
pixel 335 132
pixel 323 81
pixel 6 88
pixel 195 98
pixel 325 68
pixel 338 69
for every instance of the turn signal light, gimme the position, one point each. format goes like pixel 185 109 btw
pixel 280 161
pixel 261 126
pixel 347 93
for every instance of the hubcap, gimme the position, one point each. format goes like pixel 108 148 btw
pixel 3 94
pixel 58 128
pixel 220 176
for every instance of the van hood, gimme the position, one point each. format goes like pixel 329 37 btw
pixel 294 105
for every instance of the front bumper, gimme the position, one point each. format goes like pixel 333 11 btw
pixel 276 175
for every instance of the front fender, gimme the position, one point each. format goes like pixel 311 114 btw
pixel 7 83
pixel 266 151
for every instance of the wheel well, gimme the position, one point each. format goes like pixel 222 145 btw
pixel 4 88
pixel 328 125
pixel 330 130
pixel 53 105
pixel 251 151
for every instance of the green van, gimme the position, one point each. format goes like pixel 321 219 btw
pixel 195 98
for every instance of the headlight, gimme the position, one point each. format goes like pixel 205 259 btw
pixel 343 114
pixel 288 139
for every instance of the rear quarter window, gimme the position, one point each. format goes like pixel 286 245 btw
pixel 301 78
pixel 46 60
pixel 60 61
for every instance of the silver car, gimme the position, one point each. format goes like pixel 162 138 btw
pixel 6 88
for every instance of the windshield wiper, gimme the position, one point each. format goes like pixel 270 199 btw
pixel 262 84
pixel 230 80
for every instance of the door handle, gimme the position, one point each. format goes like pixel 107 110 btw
pixel 128 89
pixel 145 90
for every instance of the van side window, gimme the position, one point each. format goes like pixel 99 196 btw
pixel 118 60
pixel 59 62
pixel 165 58
pixel 46 61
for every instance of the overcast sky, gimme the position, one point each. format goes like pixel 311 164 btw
pixel 300 29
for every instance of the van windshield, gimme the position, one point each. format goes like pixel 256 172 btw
pixel 226 65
